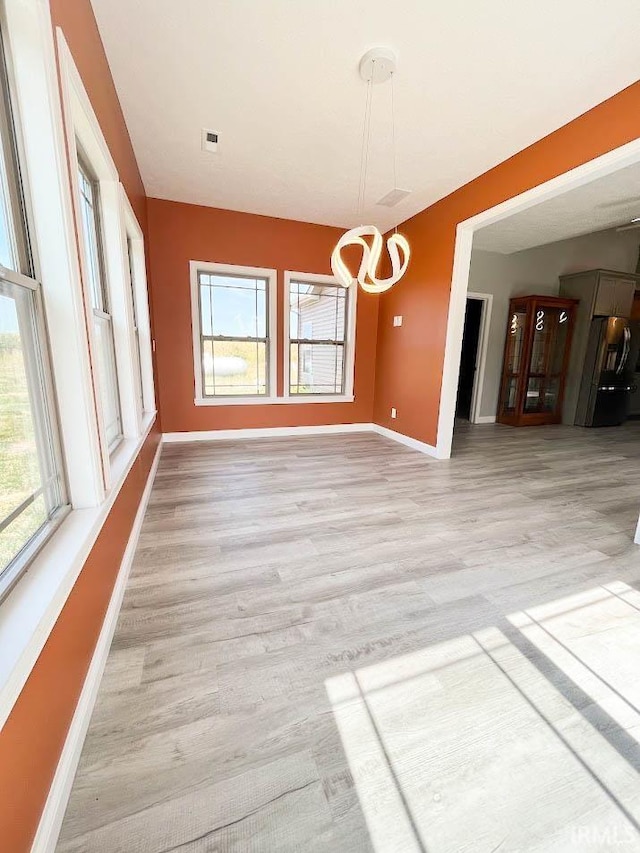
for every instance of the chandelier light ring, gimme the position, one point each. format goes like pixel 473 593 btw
pixel 371 252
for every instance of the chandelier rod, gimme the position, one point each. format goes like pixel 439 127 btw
pixel 366 140
pixel 393 134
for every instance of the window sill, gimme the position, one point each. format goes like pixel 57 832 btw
pixel 308 399
pixel 29 612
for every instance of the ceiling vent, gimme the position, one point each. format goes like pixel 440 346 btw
pixel 394 197
pixel 209 141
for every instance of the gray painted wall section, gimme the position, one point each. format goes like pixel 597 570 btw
pixel 537 271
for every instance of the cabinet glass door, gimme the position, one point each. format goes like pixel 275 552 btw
pixel 550 329
pixel 513 359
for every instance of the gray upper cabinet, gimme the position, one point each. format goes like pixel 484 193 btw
pixel 625 291
pixel 614 295
pixel 605 296
pixel 604 293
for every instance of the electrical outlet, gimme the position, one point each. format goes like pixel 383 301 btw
pixel 397 320
pixel 394 413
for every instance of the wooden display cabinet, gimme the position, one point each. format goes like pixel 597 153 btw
pixel 536 355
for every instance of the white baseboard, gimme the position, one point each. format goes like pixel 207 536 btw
pixel 51 820
pixel 267 432
pixel 485 419
pixel 275 432
pixel 422 446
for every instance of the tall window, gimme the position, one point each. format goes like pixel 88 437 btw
pixel 32 488
pixel 136 328
pixel 102 319
pixel 231 317
pixel 318 337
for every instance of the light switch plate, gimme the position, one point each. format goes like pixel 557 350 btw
pixel 397 320
pixel 394 413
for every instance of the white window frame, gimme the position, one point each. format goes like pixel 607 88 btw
pixel 85 141
pixel 22 283
pixel 36 88
pixel 31 609
pixel 100 298
pixel 349 345
pixel 134 235
pixel 271 276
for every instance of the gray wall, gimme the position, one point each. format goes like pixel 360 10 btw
pixel 536 271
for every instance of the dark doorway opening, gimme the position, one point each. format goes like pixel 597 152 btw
pixel 469 357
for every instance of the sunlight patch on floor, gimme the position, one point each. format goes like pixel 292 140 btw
pixel 522 736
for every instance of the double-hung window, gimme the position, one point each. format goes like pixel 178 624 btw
pixel 32 485
pixel 233 335
pixel 137 352
pixel 99 296
pixel 320 339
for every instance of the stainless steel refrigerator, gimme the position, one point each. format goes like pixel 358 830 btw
pixel 607 379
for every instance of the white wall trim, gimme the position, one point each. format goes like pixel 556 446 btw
pixel 280 432
pixel 304 399
pixel 238 400
pixel 612 161
pixel 55 807
pixel 481 354
pixel 266 432
pixel 133 232
pixel 485 419
pixel 413 443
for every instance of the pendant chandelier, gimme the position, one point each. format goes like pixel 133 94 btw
pixel 376 66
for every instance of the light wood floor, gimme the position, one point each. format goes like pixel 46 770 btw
pixel 339 644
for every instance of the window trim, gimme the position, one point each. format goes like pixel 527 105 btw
pixel 349 345
pixel 32 607
pixel 33 72
pixel 30 311
pixel 271 276
pixel 99 299
pixel 133 234
pixel 84 137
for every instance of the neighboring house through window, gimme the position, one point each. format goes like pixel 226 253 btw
pixel 321 326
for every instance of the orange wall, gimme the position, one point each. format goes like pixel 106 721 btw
pixel 179 233
pixel 34 734
pixel 410 358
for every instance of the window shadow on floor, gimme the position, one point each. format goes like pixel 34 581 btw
pixel 520 734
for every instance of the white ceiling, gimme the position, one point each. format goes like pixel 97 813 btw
pixel 604 203
pixel 476 82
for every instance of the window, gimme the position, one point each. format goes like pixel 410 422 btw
pixel 233 332
pixel 99 296
pixel 320 358
pixel 32 487
pixel 137 352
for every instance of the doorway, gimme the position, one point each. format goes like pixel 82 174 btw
pixel 469 358
pixel 473 356
pixel 606 164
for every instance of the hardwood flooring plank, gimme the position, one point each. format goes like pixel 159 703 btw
pixel 335 643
